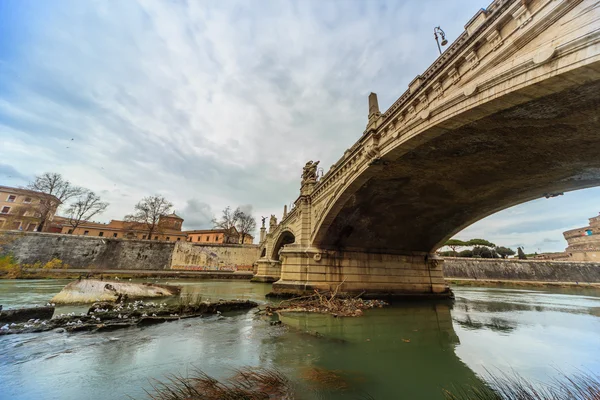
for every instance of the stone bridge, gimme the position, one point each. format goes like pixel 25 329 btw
pixel 510 112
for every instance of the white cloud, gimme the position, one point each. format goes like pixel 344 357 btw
pixel 211 104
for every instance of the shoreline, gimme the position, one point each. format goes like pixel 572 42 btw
pixel 520 283
pixel 125 274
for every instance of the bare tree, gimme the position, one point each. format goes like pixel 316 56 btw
pixel 148 213
pixel 227 222
pixel 84 208
pixel 52 184
pixel 245 224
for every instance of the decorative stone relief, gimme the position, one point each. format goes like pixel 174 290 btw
pixel 522 16
pixel 372 149
pixel 495 39
pixel 438 89
pixel 454 75
pixel 424 100
pixel 472 59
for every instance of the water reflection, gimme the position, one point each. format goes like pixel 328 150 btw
pixel 403 352
pixel 406 351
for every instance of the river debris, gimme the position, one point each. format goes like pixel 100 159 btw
pixel 91 290
pixel 25 314
pixel 108 316
pixel 246 384
pixel 326 303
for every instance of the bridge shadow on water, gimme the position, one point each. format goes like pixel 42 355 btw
pixel 405 351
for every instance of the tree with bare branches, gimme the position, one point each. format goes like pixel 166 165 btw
pixel 84 208
pixel 227 222
pixel 148 213
pixel 245 224
pixel 56 187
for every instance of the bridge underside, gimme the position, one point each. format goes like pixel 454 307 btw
pixel 433 186
pixel 425 194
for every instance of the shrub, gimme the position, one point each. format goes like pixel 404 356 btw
pixel 55 263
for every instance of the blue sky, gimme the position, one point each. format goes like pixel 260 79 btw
pixel 221 103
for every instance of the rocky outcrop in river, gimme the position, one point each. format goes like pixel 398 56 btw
pixel 109 316
pixel 91 290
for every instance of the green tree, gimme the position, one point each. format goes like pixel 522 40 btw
pixel 504 251
pixel 454 244
pixel 466 253
pixel 480 242
pixel 521 254
pixel 484 252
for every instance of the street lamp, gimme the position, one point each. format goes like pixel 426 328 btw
pixel 439 30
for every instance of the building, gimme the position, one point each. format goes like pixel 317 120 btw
pixel 24 210
pixel 217 236
pixel 168 229
pixel 584 243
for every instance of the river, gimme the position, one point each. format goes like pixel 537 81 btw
pixel 407 351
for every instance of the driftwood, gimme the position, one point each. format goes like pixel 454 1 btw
pixel 327 303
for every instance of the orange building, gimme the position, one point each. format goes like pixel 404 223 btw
pixel 22 209
pixel 218 236
pixel 168 229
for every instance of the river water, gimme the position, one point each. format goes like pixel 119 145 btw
pixel 406 351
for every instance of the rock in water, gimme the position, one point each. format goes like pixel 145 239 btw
pixel 91 290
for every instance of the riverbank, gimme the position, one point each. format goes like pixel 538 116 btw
pixel 39 273
pixel 518 283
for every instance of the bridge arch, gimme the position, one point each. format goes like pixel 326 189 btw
pixel 285 237
pixel 424 189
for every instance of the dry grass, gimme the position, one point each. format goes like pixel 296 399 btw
pixel 581 386
pixel 246 384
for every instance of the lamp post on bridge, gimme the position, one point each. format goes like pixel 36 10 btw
pixel 437 30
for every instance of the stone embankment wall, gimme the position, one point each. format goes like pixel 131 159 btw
pixel 230 257
pixel 87 252
pixel 521 270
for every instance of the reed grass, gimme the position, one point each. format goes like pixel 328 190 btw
pixel 581 386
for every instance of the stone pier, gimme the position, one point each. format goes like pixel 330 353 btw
pixel 356 272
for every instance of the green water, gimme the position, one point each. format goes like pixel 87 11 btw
pixel 407 351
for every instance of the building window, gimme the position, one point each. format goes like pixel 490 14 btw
pixel 114 235
pixel 31 227
pixel 144 237
pixel 216 238
pixel 198 238
pixel 155 237
pixel 16 225
pixel 168 238
pixel 207 238
pixel 86 232
pixel 178 239
pixel 27 200
pixel 11 198
pixel 70 231
pixel 101 234
pixel 5 210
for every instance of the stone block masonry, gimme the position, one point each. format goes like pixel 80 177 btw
pixel 220 257
pixel 87 252
pixel 521 270
pixel 84 252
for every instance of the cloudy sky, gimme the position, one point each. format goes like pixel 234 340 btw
pixel 217 103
